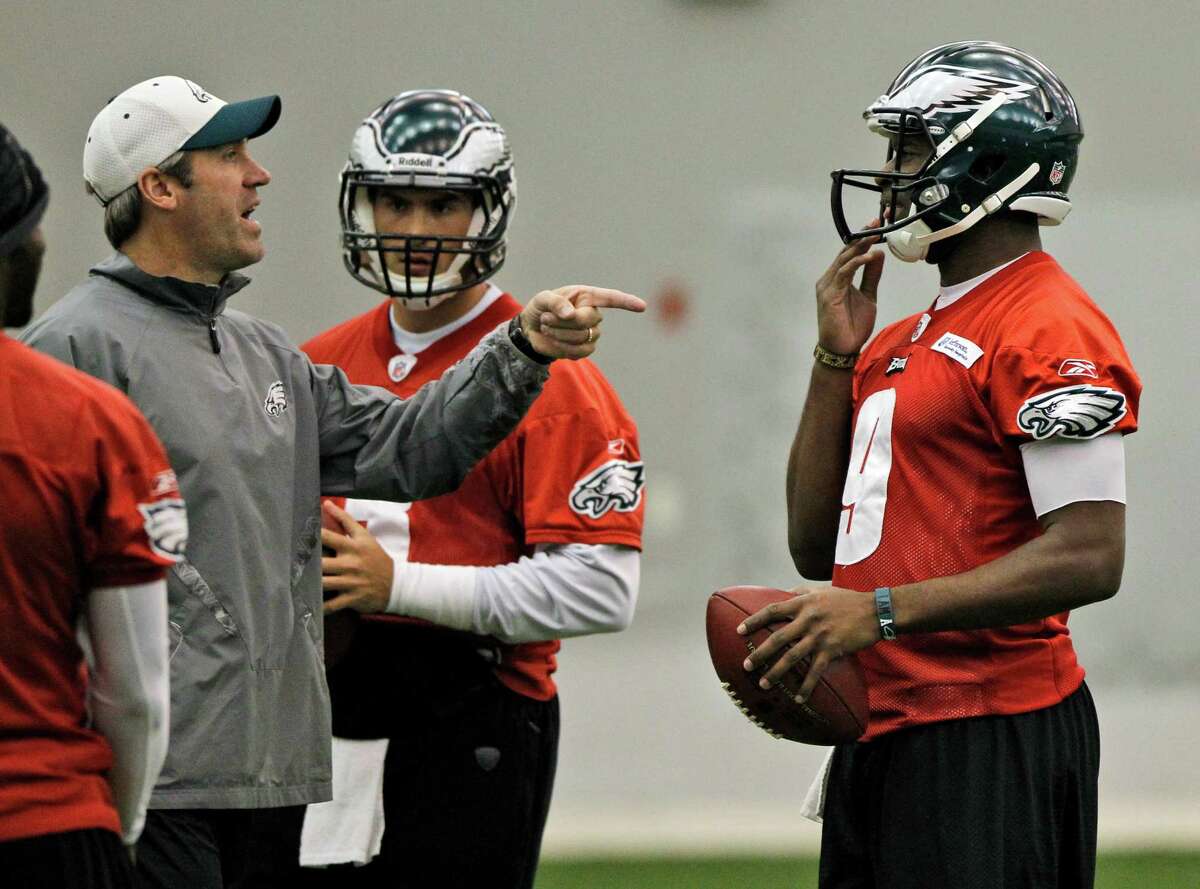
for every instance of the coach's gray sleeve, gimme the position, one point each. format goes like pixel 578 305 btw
pixel 375 445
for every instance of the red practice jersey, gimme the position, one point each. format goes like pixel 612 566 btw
pixel 936 486
pixel 544 484
pixel 89 501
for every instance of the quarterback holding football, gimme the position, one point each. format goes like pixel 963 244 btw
pixel 960 476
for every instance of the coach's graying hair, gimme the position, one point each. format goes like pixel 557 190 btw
pixel 123 213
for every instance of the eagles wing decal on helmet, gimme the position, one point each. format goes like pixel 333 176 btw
pixel 1072 412
pixel 948 89
pixel 616 485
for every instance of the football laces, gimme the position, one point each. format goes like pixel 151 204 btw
pixel 747 712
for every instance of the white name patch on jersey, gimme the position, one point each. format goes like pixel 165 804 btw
pixel 959 348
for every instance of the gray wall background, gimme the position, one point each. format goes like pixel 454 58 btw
pixel 666 140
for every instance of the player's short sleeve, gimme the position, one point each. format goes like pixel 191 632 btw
pixel 136 525
pixel 1068 378
pixel 583 480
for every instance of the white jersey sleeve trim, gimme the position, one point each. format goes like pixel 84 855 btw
pixel 1061 471
pixel 124 636
pixel 562 590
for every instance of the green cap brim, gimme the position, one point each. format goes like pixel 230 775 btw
pixel 237 121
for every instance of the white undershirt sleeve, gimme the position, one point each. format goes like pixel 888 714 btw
pixel 562 590
pixel 124 636
pixel 1061 471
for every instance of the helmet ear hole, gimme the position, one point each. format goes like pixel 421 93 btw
pixel 986 166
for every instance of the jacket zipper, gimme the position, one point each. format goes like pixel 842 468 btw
pixel 212 328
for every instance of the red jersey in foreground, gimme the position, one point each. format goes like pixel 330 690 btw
pixel 89 501
pixel 569 473
pixel 936 487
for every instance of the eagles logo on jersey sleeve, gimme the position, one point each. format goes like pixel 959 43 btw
pixel 144 524
pixel 1072 412
pixel 584 481
pixel 1038 396
pixel 615 485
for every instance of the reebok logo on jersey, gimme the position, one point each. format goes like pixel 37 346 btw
pixel 165 522
pixel 276 401
pixel 618 485
pixel 165 483
pixel 1077 367
pixel 896 366
pixel 1071 412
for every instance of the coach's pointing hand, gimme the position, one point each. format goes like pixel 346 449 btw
pixel 565 323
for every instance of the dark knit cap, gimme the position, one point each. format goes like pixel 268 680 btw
pixel 23 194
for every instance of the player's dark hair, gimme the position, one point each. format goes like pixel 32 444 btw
pixel 123 214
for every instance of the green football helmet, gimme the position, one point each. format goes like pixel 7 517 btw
pixel 435 139
pixel 1001 129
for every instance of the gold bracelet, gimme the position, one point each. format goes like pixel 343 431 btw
pixel 833 359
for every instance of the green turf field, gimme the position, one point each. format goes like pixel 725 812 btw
pixel 1143 870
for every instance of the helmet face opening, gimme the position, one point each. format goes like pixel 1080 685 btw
pixel 1002 132
pixel 428 139
pixel 896 188
pixel 476 255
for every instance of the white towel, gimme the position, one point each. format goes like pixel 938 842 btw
pixel 813 807
pixel 348 828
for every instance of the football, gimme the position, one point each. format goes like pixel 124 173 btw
pixel 835 712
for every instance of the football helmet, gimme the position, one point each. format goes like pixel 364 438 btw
pixel 1001 130
pixel 427 139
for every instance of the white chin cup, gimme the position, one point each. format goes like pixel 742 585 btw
pixel 908 243
pixel 423 303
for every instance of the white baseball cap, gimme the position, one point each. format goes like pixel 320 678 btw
pixel 150 121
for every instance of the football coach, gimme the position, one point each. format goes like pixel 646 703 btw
pixel 256 434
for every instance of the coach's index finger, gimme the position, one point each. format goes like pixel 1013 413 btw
pixel 563 300
pixel 606 298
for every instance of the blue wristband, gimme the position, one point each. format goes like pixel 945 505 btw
pixel 883 610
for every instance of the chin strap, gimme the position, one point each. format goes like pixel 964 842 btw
pixel 962 132
pixel 912 245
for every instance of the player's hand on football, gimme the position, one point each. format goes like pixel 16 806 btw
pixel 845 312
pixel 824 622
pixel 565 323
pixel 360 571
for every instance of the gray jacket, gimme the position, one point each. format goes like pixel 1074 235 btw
pixel 256 433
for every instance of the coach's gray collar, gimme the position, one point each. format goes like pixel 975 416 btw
pixel 173 293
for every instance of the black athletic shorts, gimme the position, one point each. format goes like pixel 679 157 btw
pixel 470 763
pixel 991 802
pixel 76 859
pixel 220 848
